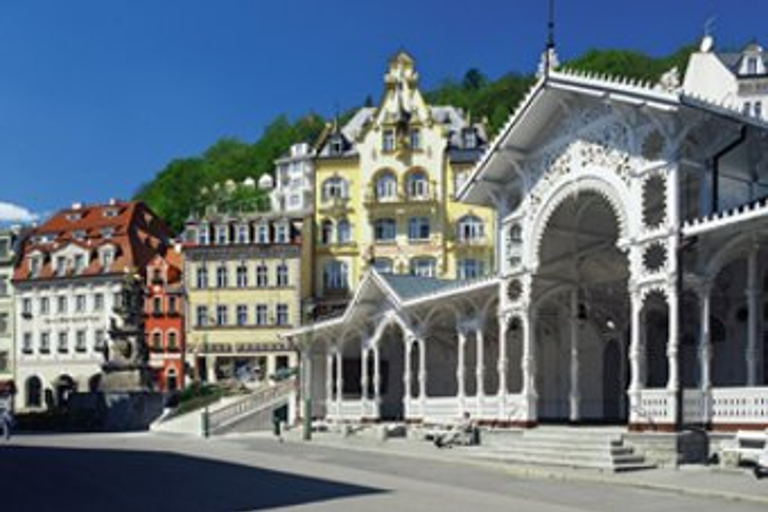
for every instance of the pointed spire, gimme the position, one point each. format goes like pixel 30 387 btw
pixel 549 60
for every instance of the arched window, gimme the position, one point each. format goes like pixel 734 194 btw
pixel 470 228
pixel 386 186
pixel 157 341
pixel 334 188
pixel 34 391
pixel 417 185
pixel 326 232
pixel 172 342
pixel 343 232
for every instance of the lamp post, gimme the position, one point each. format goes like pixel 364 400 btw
pixel 306 372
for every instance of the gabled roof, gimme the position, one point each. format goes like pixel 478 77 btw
pixel 534 111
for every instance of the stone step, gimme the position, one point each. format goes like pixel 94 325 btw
pixel 563 447
pixel 619 463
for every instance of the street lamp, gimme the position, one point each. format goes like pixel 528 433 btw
pixel 306 371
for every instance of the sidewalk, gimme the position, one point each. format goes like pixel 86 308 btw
pixel 695 480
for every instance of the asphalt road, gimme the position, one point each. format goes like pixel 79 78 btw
pixel 144 472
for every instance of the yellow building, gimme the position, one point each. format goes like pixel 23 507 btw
pixel 385 187
pixel 243 274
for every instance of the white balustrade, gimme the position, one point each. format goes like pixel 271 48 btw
pixel 740 405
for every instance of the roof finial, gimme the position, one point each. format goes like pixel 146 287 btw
pixel 549 59
pixel 708 42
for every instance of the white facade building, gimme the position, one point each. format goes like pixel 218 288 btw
pixel 294 181
pixel 632 286
pixel 8 241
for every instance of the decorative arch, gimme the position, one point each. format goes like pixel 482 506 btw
pixel 608 186
pixel 732 250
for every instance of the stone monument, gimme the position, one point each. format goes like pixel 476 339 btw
pixel 125 367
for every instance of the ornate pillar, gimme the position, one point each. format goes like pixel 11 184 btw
pixel 407 391
pixel 705 352
pixel 636 361
pixel 460 379
pixel 575 396
pixel 502 365
pixel 673 353
pixel 528 364
pixel 753 318
pixel 479 367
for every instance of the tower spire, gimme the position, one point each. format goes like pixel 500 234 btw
pixel 549 59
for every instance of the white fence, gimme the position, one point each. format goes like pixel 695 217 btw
pixel 253 403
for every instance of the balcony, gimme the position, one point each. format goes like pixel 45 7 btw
pixel 335 206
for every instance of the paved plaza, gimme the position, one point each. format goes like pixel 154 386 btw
pixel 146 471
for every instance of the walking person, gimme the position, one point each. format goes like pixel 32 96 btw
pixel 6 422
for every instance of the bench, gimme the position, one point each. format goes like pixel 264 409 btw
pixel 745 447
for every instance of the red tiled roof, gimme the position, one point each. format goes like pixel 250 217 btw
pixel 131 227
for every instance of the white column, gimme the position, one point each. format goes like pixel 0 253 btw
pixel 705 353
pixel 422 370
pixel 574 397
pixel 376 378
pixel 460 379
pixel 407 391
pixel 329 378
pixel 479 369
pixel 339 380
pixel 528 364
pixel 753 305
pixel 673 353
pixel 636 361
pixel 364 379
pixel 502 365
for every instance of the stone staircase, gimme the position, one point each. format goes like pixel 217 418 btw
pixel 600 448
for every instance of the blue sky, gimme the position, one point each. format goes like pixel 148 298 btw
pixel 96 96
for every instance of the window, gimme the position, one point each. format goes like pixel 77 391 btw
pixel 4 248
pixel 469 269
pixel 222 235
pixel 107 257
pixel 107 232
pixel 337 145
pixel 202 235
pixel 242 315
pixel 459 179
pixel 26 306
pixel 242 234
pixel 34 266
pixel 343 232
pixel 45 305
pixel 386 186
pixel 80 303
pixel 282 275
pixel 61 265
pixel 98 302
pixel 423 267
pixel 202 277
pixel 222 279
pixel 469 138
pixel 172 342
pixel 117 299
pixel 79 263
pixel 415 138
pixel 3 323
pixel 63 343
pixel 4 358
pixel 241 275
pixel 34 392
pixel 61 305
pixel 384 230
pixel 418 228
pixel 383 265
pixel 26 344
pixel 45 342
pixel 221 315
pixel 388 140
pixel 281 234
pixel 417 185
pixel 173 307
pixel 746 108
pixel 335 275
pixel 469 228
pixel 758 109
pixel 752 66
pixel 202 316
pixel 157 341
pixel 282 314
pixel 262 233
pixel 262 279
pixel 98 339
pixel 3 285
pixel 80 344
pixel 261 314
pixel 326 232
pixel 334 188
pixel 157 306
pixel 110 213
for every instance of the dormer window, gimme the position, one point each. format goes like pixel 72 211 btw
pixel 752 65
pixel 34 266
pixel 61 265
pixel 107 232
pixel 337 146
pixel 222 235
pixel 469 136
pixel 262 234
pixel 111 212
pixel 78 234
pixel 202 235
pixel 107 258
pixel 281 234
pixel 79 265
pixel 73 216
pixel 388 140
pixel 242 234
